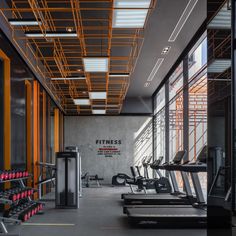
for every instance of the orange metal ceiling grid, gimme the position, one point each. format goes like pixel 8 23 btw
pixel 62 57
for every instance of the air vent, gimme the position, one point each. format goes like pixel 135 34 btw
pixel 183 19
pixel 155 69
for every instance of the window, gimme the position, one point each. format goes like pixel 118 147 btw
pixel 198 58
pixel 176 111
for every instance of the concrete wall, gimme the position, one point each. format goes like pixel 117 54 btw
pixel 134 132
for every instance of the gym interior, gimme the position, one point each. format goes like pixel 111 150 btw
pixel 117 117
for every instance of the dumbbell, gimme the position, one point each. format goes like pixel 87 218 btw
pixel 9 195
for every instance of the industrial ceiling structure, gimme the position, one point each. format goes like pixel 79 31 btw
pixel 92 55
pixel 85 49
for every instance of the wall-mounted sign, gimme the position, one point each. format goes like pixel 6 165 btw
pixel 108 147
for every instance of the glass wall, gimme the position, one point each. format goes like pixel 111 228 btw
pixel 1 113
pixel 197 98
pixel 31 124
pixel 176 111
pixel 187 85
pixel 159 124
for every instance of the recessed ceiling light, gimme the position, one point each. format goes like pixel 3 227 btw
pixel 182 20
pixel 82 102
pixel 69 29
pixel 130 18
pixel 69 78
pixel 33 34
pixel 155 69
pixel 125 18
pixel 165 50
pixel 119 75
pixel 132 3
pixel 95 64
pixel 99 112
pixel 146 85
pixel 26 22
pixel 97 95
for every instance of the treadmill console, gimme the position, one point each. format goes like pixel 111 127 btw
pixel 202 156
pixel 179 157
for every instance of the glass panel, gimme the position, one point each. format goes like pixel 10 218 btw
pixel 176 115
pixel 198 122
pixel 1 113
pixel 18 119
pixel 159 134
pixel 176 125
pixel 176 82
pixel 197 115
pixel 198 58
pixel 159 102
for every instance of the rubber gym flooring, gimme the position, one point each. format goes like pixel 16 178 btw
pixel 100 214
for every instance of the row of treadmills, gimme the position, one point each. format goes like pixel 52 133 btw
pixel 176 209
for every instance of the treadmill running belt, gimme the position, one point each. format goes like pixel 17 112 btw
pixel 161 199
pixel 168 217
pixel 151 196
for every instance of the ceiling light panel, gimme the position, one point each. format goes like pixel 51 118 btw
pixel 99 112
pixel 155 69
pixel 119 75
pixel 183 19
pixel 97 95
pixel 82 102
pixel 24 22
pixel 95 64
pixel 124 18
pixel 130 18
pixel 51 34
pixel 68 78
pixel 132 3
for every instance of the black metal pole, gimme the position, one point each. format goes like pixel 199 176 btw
pixel 185 107
pixel 233 103
pixel 167 122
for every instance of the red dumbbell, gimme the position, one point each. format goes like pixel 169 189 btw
pixel 5 175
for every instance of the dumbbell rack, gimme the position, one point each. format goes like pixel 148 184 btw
pixel 5 220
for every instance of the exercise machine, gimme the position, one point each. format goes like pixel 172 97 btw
pixel 181 216
pixel 176 197
pixel 88 179
pixel 68 178
pixel 120 179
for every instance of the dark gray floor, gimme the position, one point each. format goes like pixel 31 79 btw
pixel 100 214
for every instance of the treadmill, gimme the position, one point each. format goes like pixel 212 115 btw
pixel 176 216
pixel 175 198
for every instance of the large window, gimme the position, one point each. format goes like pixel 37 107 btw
pixel 197 58
pixel 176 111
pixel 159 124
pixel 159 133
pixel 184 114
pixel 197 90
